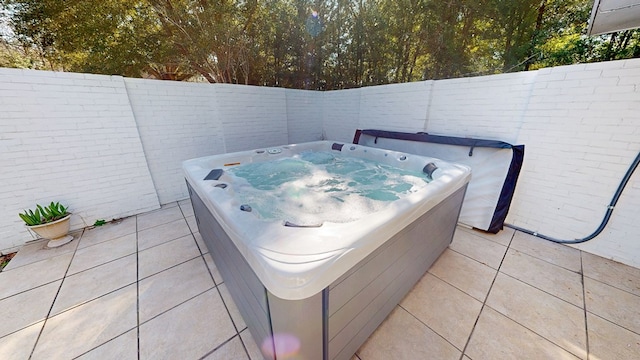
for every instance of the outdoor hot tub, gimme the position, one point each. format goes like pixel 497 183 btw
pixel 318 242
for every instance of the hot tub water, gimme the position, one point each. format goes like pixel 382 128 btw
pixel 314 187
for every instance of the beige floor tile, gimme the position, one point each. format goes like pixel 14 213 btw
pixel 37 250
pixel 158 217
pixel 464 273
pixel 166 255
pixel 503 237
pixel 476 247
pixel 164 290
pixel 233 309
pixel 124 347
pixel 546 315
pixel 102 253
pixel 108 232
pixel 558 254
pixel 217 277
pixel 232 350
pixel 201 243
pixel 95 282
pixel 609 341
pixel 33 275
pixel 185 206
pixel 610 272
pixel 18 345
pixel 27 308
pixel 171 335
pixel 443 308
pixel 85 327
pixel 162 233
pixel 401 336
pixel 193 226
pixel 545 276
pixel 497 337
pixel 250 344
pixel 615 305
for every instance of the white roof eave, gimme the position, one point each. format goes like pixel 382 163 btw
pixel 614 15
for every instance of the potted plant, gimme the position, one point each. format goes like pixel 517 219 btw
pixel 50 222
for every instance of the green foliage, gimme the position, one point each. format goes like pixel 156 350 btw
pixel 42 215
pixel 99 222
pixel 310 44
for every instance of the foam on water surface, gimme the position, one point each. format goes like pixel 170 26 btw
pixel 314 187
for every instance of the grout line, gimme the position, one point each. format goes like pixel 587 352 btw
pixel 542 290
pixel 164 222
pixel 219 346
pixel 137 293
pixel 545 260
pixel 584 305
pixel 429 327
pixel 33 288
pixel 104 263
pixel 469 257
pixel 175 306
pixel 484 303
pixel 55 297
pixel 526 327
pixel 549 339
pixel 225 306
pixel 246 350
pixel 614 323
pixel 217 287
pixel 480 233
pixel 104 343
pixel 169 268
pixel 95 298
pixel 611 285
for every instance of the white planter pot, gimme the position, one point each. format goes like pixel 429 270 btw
pixel 56 232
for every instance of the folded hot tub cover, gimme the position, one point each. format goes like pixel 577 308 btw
pixel 495 167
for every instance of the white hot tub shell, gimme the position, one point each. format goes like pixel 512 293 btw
pixel 319 292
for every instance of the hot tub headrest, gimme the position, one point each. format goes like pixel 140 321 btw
pixel 214 174
pixel 290 224
pixel 429 169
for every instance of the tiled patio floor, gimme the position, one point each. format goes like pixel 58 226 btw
pixel 147 288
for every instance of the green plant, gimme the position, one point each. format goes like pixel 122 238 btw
pixel 99 222
pixel 43 215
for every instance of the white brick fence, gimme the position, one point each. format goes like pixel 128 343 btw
pixel 112 146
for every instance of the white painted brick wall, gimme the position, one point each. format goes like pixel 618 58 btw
pixel 580 125
pixel 70 138
pixel 252 116
pixel 398 107
pixel 177 121
pixel 489 107
pixel 341 113
pixel 582 130
pixel 304 115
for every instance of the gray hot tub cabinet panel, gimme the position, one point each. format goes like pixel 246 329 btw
pixel 334 323
pixel 396 267
pixel 243 285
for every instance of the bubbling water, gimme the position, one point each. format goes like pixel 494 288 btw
pixel 313 187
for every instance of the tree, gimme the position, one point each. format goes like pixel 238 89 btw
pixel 308 44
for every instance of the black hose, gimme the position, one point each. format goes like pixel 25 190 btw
pixel 606 218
